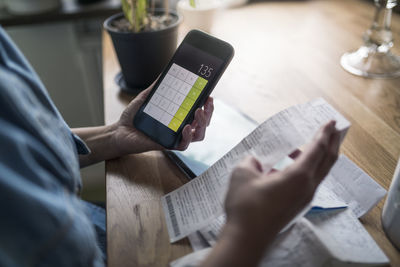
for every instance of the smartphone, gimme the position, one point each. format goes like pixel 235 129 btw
pixel 183 86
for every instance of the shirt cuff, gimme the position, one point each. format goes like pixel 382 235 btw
pixel 81 147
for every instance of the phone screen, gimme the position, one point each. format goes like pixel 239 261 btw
pixel 187 77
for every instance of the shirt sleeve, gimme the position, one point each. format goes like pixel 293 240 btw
pixel 81 146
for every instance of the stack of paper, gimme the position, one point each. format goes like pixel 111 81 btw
pixel 196 209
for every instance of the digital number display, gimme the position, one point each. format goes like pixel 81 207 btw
pixel 205 70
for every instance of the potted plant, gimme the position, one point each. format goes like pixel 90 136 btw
pixel 144 40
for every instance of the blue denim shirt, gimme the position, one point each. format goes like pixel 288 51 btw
pixel 42 220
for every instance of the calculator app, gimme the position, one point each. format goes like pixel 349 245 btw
pixel 181 87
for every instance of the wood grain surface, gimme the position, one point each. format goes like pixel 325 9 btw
pixel 286 53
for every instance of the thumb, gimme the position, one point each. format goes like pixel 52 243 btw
pixel 135 104
pixel 138 101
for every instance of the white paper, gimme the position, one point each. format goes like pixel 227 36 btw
pixel 353 186
pixel 197 241
pixel 299 246
pixel 331 238
pixel 191 260
pixel 346 238
pixel 325 198
pixel 340 189
pixel 195 204
pixel 213 230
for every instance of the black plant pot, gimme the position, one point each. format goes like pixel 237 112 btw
pixel 142 56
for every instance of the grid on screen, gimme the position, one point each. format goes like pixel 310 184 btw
pixel 175 96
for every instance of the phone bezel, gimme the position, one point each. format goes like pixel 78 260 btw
pixel 158 131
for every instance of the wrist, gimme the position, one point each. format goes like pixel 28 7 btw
pixel 101 142
pixel 114 142
pixel 237 246
pixel 239 234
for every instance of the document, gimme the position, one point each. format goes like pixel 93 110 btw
pixel 353 186
pixel 197 203
pixel 346 238
pixel 331 238
pixel 197 241
pixel 325 198
pixel 191 260
pixel 346 185
pixel 211 232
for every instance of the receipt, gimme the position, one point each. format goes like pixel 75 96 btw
pixel 299 246
pixel 197 241
pixel 191 260
pixel 197 203
pixel 353 186
pixel 331 238
pixel 345 237
pixel 212 231
pixel 325 198
pixel 346 185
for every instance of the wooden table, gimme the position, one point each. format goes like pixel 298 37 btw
pixel 286 53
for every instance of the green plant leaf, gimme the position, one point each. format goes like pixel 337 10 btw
pixel 127 9
pixel 140 14
pixel 192 3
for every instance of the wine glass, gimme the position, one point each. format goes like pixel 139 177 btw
pixel 374 59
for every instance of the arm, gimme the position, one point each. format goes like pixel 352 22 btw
pixel 121 138
pixel 100 141
pixel 259 205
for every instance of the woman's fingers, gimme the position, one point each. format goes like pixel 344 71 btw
pixel 197 129
pixel 310 159
pixel 202 119
pixel 308 163
pixel 330 157
pixel 248 165
pixel 136 103
pixel 209 109
pixel 143 95
pixel 187 136
pixel 199 125
pixel 295 154
pixel 254 163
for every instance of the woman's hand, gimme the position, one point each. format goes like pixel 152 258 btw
pixel 122 138
pixel 259 205
pixel 129 140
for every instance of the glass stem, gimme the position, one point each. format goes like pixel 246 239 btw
pixel 379 35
